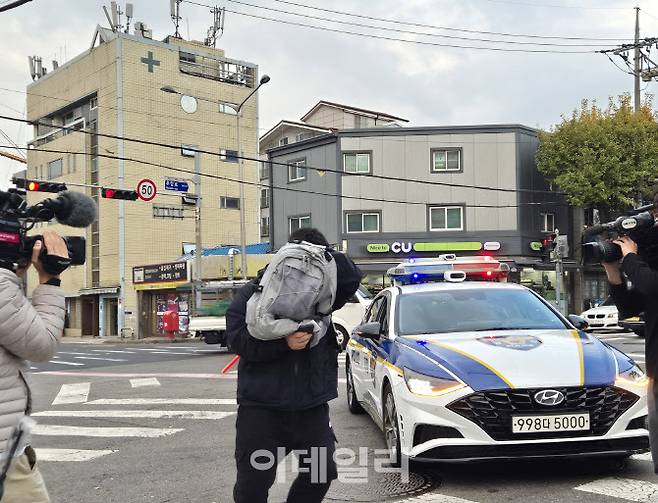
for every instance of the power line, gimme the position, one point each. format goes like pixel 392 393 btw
pixel 287 165
pixel 409 32
pixel 446 28
pixel 17 3
pixel 395 39
pixel 288 189
pixel 557 6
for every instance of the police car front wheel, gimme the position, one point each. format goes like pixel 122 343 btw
pixel 352 402
pixel 391 429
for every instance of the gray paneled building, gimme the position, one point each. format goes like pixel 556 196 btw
pixel 386 193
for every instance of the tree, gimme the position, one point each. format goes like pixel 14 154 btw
pixel 602 158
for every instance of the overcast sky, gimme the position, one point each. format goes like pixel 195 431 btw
pixel 429 85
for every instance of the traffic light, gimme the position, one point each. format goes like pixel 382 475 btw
pixel 547 247
pixel 129 195
pixel 38 185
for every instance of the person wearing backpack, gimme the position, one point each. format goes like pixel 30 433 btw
pixel 284 386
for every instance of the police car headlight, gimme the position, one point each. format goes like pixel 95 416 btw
pixel 633 376
pixel 421 384
pixel 612 315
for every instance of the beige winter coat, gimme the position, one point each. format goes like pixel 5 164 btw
pixel 28 331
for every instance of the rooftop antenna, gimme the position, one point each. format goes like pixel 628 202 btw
pixel 217 26
pixel 37 70
pixel 109 19
pixel 129 16
pixel 174 8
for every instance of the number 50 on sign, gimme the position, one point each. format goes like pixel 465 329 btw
pixel 146 189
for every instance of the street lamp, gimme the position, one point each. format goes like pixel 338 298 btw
pixel 238 113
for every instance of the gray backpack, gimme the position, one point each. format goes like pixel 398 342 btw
pixel 297 288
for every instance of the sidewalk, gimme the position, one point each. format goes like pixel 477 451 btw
pixel 125 340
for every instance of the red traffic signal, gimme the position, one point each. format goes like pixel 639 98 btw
pixel 38 185
pixel 128 195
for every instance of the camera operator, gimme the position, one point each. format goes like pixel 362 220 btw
pixel 284 386
pixel 642 271
pixel 28 331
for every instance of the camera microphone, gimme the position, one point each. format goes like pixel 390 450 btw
pixel 74 209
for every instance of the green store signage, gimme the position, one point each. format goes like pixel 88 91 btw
pixel 535 246
pixel 408 247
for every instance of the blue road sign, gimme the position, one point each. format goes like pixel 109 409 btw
pixel 176 185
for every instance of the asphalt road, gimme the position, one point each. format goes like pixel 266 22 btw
pixel 158 426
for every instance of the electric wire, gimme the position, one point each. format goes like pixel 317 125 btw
pixel 291 189
pixel 287 165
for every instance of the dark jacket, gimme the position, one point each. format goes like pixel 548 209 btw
pixel 642 297
pixel 272 375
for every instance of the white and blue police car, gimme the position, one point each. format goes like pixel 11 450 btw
pixel 453 370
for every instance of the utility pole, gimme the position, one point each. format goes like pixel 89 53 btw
pixel 198 276
pixel 637 62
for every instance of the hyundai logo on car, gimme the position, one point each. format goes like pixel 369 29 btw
pixel 549 397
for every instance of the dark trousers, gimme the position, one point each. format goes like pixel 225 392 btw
pixel 265 437
pixel 652 405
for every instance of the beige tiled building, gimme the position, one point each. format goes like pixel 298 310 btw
pixel 111 94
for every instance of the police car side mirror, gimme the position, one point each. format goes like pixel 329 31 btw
pixel 371 330
pixel 579 322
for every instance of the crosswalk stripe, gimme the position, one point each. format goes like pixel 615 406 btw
pixel 642 457
pixel 635 355
pixel 99 431
pixel 170 353
pixel 72 353
pixel 98 358
pixel 71 454
pixel 113 351
pixel 144 381
pixel 625 489
pixel 163 401
pixel 436 498
pixel 117 375
pixel 72 364
pixel 73 393
pixel 607 339
pixel 150 414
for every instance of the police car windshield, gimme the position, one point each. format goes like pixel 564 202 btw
pixel 473 310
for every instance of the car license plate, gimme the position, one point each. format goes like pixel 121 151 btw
pixel 553 423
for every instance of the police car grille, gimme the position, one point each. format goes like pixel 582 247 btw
pixel 493 410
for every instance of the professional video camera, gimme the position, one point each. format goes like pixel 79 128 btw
pixel 17 218
pixel 639 225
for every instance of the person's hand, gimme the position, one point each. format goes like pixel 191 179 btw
pixel 55 246
pixel 626 244
pixel 298 340
pixel 613 271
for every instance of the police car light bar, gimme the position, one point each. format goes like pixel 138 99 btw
pixel 448 268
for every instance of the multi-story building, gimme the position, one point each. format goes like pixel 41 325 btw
pixel 325 117
pixel 387 193
pixel 102 119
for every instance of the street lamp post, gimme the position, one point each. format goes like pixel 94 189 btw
pixel 238 113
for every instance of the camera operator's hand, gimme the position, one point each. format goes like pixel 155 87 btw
pixel 55 246
pixel 626 244
pixel 613 271
pixel 298 340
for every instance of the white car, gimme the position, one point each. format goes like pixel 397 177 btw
pixel 351 314
pixel 604 316
pixel 474 370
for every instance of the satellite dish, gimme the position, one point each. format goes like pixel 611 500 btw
pixel 188 104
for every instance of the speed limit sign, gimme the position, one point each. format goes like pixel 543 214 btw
pixel 146 189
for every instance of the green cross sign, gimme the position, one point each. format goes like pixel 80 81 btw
pixel 150 61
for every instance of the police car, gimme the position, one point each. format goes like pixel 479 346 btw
pixel 454 370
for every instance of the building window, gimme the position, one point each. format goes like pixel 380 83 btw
pixel 186 57
pixel 446 218
pixel 303 136
pixel 264 171
pixel 229 203
pixel 283 141
pixel 227 108
pixel 295 223
pixel 362 222
pixel 187 150
pixel 264 198
pixel 360 121
pixel 55 169
pixel 446 159
pixel 229 155
pixel 547 222
pixel 297 170
pixel 357 162
pixel 265 226
pixel 93 103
